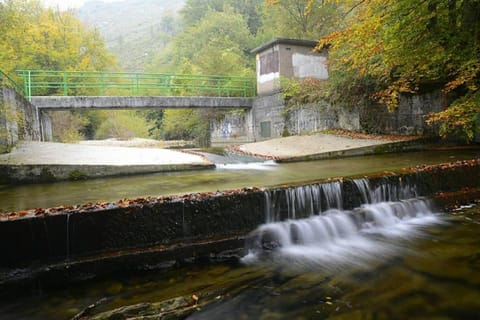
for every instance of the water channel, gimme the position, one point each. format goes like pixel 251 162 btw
pixel 394 257
pixel 226 176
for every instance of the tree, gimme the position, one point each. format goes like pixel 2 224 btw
pixel 33 37
pixel 215 44
pixel 301 19
pixel 411 47
pixel 196 10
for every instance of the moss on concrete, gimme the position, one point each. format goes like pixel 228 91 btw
pixel 76 175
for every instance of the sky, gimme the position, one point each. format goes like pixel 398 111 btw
pixel 67 4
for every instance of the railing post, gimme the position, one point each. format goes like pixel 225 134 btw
pixel 29 86
pixel 169 85
pixel 102 84
pixel 65 86
pixel 137 88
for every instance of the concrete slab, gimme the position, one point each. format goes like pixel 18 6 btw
pixel 29 152
pixel 322 146
pixel 48 161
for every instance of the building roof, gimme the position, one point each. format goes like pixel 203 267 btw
pixel 298 42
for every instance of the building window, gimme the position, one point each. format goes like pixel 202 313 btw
pixel 269 63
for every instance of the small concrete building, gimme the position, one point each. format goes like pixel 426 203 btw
pixel 288 58
pixel 276 59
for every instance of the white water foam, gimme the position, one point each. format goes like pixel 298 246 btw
pixel 340 238
pixel 266 165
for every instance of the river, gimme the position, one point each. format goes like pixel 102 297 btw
pixel 228 176
pixel 409 262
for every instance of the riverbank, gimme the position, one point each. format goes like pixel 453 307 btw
pixel 34 162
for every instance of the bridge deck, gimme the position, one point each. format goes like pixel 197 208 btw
pixel 130 102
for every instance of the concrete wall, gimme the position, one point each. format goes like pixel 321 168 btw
pixel 268 117
pixel 235 128
pixel 271 119
pixel 268 71
pixel 8 122
pixel 300 62
pixel 19 120
pixel 408 118
pixel 320 116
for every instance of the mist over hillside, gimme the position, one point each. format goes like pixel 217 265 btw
pixel 135 30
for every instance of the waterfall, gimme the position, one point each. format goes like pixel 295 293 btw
pixel 330 237
pixel 302 201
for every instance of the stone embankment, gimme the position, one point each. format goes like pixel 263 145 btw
pixel 66 244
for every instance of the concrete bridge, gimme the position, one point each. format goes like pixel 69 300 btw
pixel 129 102
pixel 70 90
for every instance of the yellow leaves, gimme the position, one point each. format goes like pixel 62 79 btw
pixel 459 119
pixel 391 94
pixel 272 2
pixel 466 75
pixel 40 38
pixel 333 39
pixel 195 299
pixel 22 213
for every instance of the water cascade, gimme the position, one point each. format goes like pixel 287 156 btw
pixel 307 227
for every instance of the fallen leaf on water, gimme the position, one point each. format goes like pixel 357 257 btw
pixel 21 213
pixel 195 298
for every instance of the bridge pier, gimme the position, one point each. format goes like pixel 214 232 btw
pixel 46 130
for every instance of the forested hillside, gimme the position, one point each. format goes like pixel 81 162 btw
pixel 135 30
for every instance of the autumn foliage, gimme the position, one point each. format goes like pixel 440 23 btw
pixel 412 47
pixel 35 37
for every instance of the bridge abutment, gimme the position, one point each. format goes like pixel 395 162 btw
pixel 19 120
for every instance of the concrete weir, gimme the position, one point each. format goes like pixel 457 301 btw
pixel 67 244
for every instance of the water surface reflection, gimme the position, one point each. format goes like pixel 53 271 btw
pixel 225 177
pixel 435 276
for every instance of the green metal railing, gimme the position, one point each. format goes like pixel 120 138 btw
pixel 7 81
pixel 91 83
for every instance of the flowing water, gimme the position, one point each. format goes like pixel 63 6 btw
pixel 333 238
pixel 393 257
pixel 226 176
